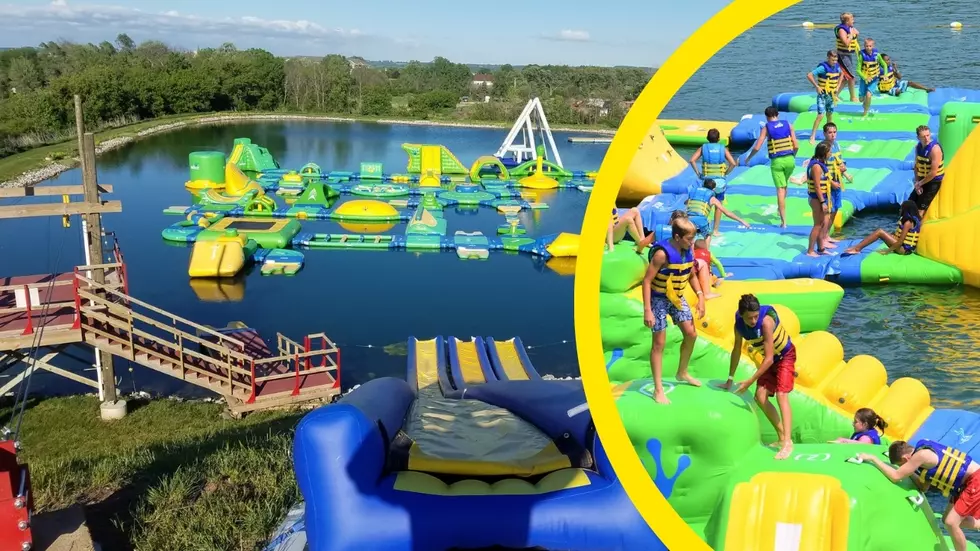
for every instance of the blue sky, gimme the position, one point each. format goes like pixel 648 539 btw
pixel 573 32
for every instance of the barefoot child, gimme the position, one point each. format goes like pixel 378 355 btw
pixel 700 202
pixel 903 241
pixel 703 261
pixel 782 155
pixel 818 190
pixel 869 69
pixel 716 163
pixel 826 81
pixel 847 47
pixel 630 221
pixel 838 171
pixel 868 428
pixel 667 277
pixel 936 466
pixel 759 326
pixel 891 81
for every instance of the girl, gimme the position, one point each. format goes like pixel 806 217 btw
pixel 818 189
pixel 866 421
pixel 630 222
pixel 904 240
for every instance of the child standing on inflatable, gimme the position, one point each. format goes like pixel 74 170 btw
pixel 929 170
pixel 818 190
pixel 825 79
pixel 700 202
pixel 903 241
pixel 891 81
pixel 846 36
pixel 838 171
pixel 668 275
pixel 716 163
pixel 782 155
pixel 937 466
pixel 870 65
pixel 758 325
pixel 868 428
pixel 620 224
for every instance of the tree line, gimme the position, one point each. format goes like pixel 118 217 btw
pixel 123 82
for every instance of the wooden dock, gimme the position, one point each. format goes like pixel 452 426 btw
pixel 590 139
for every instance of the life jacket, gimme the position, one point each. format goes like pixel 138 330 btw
pixel 912 236
pixel 780 142
pixel 869 62
pixel 841 47
pixel 870 433
pixel 824 183
pixel 615 217
pixel 829 81
pixel 673 277
pixel 754 338
pixel 950 474
pixel 663 232
pixel 836 164
pixel 887 80
pixel 699 202
pixel 923 164
pixel 713 162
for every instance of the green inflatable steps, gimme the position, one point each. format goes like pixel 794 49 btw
pixel 894 150
pixel 802 103
pixel 880 122
pixel 957 121
pixel 762 210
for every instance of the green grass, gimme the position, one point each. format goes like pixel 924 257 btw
pixel 171 475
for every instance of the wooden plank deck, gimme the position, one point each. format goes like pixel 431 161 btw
pixel 18 328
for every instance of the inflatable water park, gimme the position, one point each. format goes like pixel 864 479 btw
pixel 248 210
pixel 712 460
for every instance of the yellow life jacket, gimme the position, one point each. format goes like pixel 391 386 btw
pixel 887 80
pixel 912 236
pixel 779 140
pixel 923 163
pixel 824 183
pixel 672 279
pixel 713 160
pixel 871 67
pixel 949 475
pixel 828 83
pixel 755 340
pixel 841 47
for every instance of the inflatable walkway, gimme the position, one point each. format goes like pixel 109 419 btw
pixel 711 461
pixel 474 450
pixel 879 151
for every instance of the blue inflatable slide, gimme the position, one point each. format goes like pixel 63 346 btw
pixel 474 450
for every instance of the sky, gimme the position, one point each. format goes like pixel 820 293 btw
pixel 569 32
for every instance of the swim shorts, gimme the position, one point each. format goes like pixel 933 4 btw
pixel 846 62
pixel 781 376
pixel 702 224
pixel 782 168
pixel 900 87
pixel 813 195
pixel 865 87
pixel 721 186
pixel 967 503
pixel 924 199
pixel 825 103
pixel 662 308
pixel 836 199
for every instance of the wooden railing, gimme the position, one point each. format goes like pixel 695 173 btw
pixel 136 325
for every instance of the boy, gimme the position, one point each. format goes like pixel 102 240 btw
pixel 759 326
pixel 668 275
pixel 716 163
pixel 929 170
pixel 956 479
pixel 782 155
pixel 891 81
pixel 869 68
pixel 826 81
pixel 838 170
pixel 847 46
pixel 700 202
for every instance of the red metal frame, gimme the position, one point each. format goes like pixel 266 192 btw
pixel 29 327
pixel 16 500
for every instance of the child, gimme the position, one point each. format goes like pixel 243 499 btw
pixel 818 190
pixel 667 277
pixel 662 231
pixel 703 261
pixel 904 240
pixel 619 225
pixel 891 81
pixel 826 81
pixel 716 163
pixel 782 155
pixel 847 46
pixel 866 421
pixel 869 67
pixel 759 326
pixel 956 479
pixel 700 202
pixel 838 170
pixel 930 168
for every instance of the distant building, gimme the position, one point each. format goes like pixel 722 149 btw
pixel 592 105
pixel 483 79
pixel 357 62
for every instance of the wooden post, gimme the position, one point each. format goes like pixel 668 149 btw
pixel 80 128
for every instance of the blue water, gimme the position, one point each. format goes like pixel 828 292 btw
pixel 363 300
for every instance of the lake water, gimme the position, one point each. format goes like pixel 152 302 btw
pixel 363 300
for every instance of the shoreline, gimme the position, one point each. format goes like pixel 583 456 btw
pixel 54 168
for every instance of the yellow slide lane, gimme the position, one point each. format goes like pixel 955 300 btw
pixel 426 363
pixel 469 362
pixel 510 360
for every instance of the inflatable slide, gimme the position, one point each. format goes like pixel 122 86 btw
pixel 711 460
pixel 472 450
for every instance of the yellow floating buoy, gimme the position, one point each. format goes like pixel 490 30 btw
pixel 808 24
pixel 956 25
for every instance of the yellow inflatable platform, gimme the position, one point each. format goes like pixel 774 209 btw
pixel 223 257
pixel 694 133
pixel 654 162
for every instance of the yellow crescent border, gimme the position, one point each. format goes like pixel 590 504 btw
pixel 736 18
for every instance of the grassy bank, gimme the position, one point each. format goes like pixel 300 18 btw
pixel 171 475
pixel 29 167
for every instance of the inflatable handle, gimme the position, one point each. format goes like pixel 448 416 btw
pixel 856 460
pixel 917 499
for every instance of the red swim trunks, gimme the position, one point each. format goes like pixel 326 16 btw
pixel 968 502
pixel 781 376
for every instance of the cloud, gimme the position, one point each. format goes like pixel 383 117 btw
pixel 60 13
pixel 569 35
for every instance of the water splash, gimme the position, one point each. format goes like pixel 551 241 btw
pixel 664 483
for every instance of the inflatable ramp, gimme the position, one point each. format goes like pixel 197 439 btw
pixel 456 458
